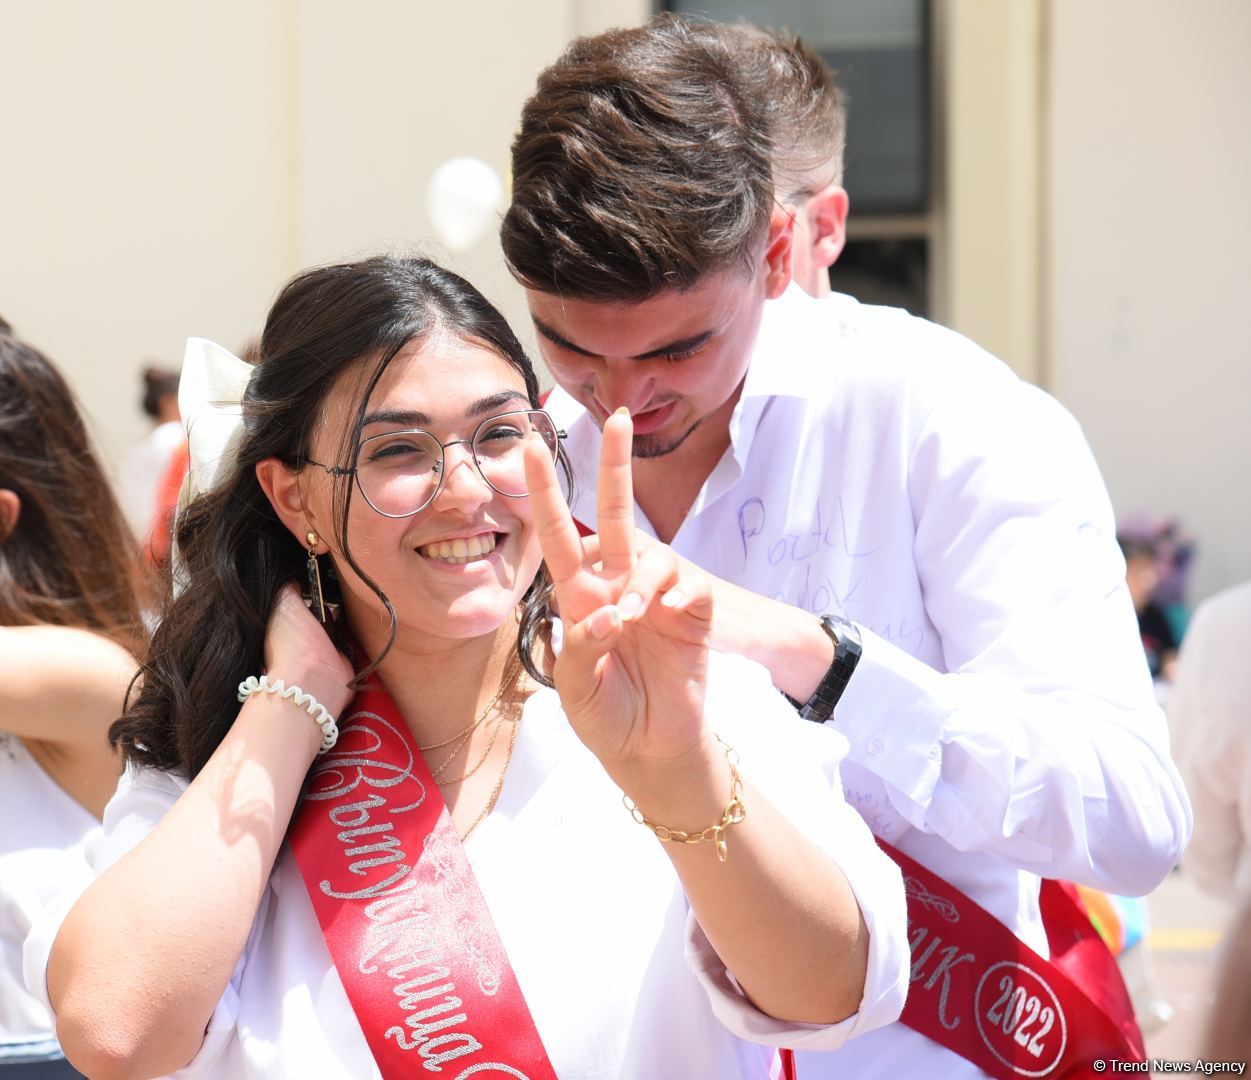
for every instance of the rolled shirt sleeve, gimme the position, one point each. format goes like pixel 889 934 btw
pixel 795 764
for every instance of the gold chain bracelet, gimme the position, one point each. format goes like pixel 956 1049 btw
pixel 734 812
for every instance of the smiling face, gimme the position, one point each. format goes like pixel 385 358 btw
pixel 459 567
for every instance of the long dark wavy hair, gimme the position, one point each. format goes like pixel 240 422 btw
pixel 70 559
pixel 235 552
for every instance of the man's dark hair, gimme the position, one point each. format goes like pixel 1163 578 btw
pixel 641 166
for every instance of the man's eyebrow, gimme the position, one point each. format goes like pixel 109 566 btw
pixel 555 338
pixel 416 419
pixel 682 345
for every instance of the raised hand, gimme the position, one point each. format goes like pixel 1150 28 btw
pixel 298 651
pixel 632 670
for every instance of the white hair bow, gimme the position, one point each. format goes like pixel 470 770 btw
pixel 210 398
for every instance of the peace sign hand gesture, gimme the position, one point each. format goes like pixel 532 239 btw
pixel 632 671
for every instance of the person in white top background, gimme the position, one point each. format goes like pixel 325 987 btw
pixel 388 444
pixel 979 649
pixel 1209 712
pixel 70 633
pixel 147 459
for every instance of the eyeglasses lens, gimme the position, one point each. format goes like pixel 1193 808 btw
pixel 399 472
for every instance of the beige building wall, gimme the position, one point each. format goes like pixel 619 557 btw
pixel 989 265
pixel 147 172
pixel 168 166
pixel 1094 231
pixel 1150 268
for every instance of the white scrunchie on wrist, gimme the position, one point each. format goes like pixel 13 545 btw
pixel 314 708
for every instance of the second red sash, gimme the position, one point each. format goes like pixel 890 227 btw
pixel 405 922
pixel 980 991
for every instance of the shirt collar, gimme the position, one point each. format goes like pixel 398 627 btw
pixel 783 355
pixel 792 331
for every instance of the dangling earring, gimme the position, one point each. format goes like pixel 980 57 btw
pixel 316 603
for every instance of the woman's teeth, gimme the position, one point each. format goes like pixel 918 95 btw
pixel 460 551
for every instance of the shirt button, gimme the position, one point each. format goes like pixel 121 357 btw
pixel 874 747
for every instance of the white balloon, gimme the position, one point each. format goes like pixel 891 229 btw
pixel 462 200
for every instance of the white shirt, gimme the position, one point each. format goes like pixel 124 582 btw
pixel 1209 711
pixel 618 977
pixel 1001 719
pixel 42 830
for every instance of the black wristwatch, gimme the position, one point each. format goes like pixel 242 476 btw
pixel 846 639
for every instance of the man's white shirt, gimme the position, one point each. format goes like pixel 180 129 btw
pixel 1001 719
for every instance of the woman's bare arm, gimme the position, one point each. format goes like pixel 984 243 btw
pixel 144 955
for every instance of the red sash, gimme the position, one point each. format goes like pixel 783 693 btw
pixel 1078 949
pixel 980 991
pixel 403 917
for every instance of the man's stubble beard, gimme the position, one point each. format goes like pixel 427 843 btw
pixel 654 446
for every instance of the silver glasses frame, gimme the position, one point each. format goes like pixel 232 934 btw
pixel 438 467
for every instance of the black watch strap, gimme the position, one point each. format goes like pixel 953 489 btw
pixel 846 639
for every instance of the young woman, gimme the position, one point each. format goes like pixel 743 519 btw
pixel 69 634
pixel 457 887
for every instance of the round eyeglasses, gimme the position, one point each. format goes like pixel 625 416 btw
pixel 400 472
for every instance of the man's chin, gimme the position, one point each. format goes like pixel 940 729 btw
pixel 658 444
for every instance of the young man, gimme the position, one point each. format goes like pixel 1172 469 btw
pixel 921 546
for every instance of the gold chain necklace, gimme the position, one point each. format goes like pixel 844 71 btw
pixel 495 792
pixel 510 710
pixel 436 773
pixel 506 680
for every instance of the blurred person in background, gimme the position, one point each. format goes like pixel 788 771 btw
pixel 147 461
pixel 70 638
pixel 1228 1036
pixel 1143 565
pixel 169 485
pixel 1158 556
pixel 1209 712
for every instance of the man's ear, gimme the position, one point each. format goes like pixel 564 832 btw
pixel 10 511
pixel 778 250
pixel 282 488
pixel 827 216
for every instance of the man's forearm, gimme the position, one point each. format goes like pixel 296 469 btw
pixel 787 640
